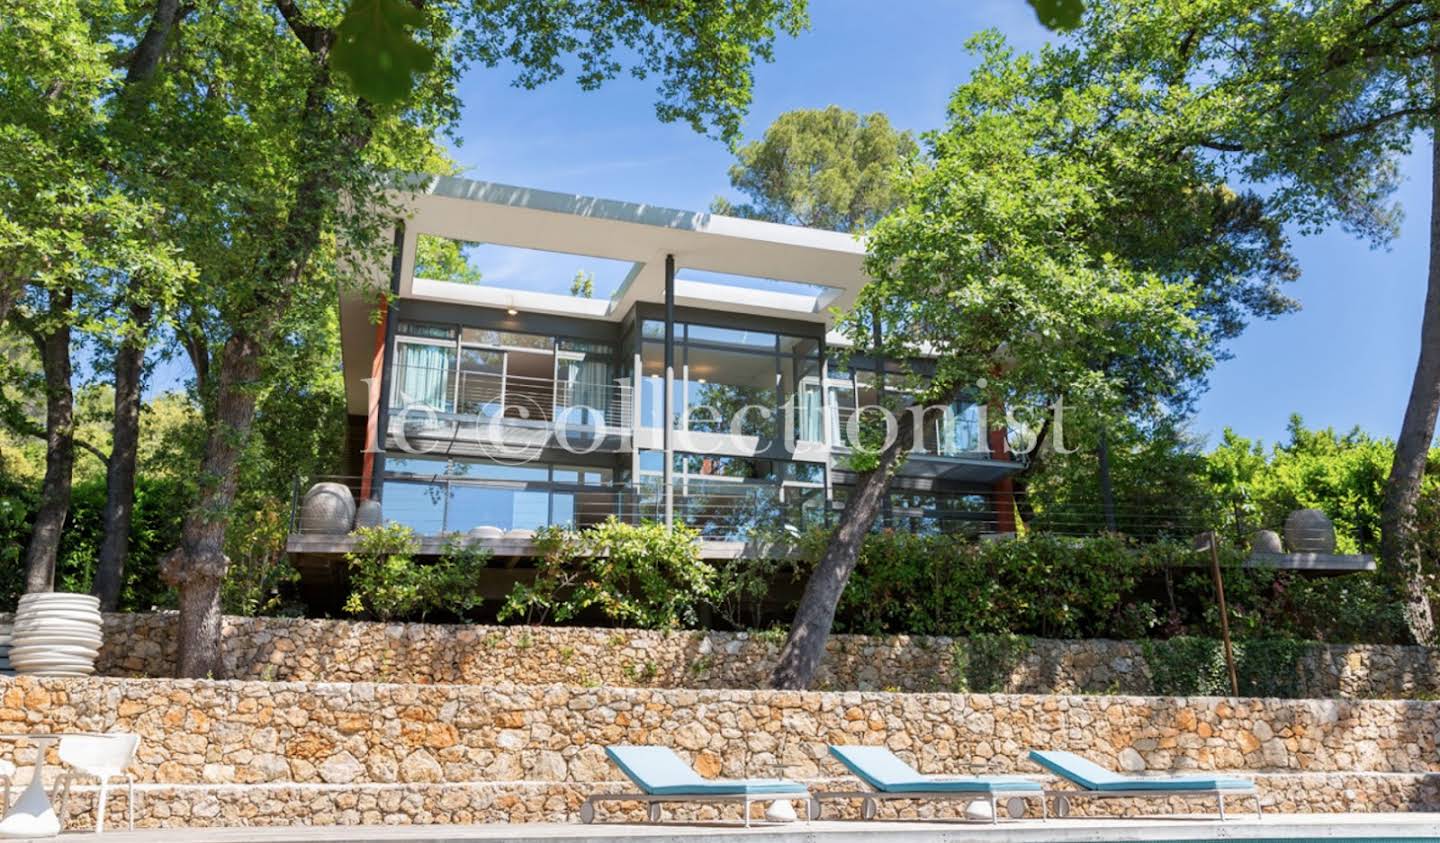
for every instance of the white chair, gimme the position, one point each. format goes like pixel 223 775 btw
pixel 104 757
pixel 7 775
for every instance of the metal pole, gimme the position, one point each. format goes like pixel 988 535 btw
pixel 668 422
pixel 1224 613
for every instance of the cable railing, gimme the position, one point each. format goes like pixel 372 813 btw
pixel 531 497
pixel 436 505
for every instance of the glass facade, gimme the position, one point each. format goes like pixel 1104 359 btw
pixel 482 373
pixel 435 496
pixel 730 498
pixel 754 383
pixel 769 386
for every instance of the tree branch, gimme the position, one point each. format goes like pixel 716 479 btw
pixel 317 39
pixel 100 455
pixel 1375 123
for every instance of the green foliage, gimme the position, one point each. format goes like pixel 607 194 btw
pixel 444 259
pixel 822 168
pixel 1185 667
pixel 373 47
pixel 17 507
pixel 1058 14
pixel 984 663
pixel 1314 100
pixel 159 505
pixel 1105 586
pixel 260 577
pixel 583 284
pixel 641 575
pixel 1158 476
pixel 1342 475
pixel 1009 256
pixel 386 583
pixel 1188 666
pixel 741 585
pixel 700 53
pixel 1036 585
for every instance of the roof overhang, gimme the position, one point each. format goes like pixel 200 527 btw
pixel 641 234
pixel 637 233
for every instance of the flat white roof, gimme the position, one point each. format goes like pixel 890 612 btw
pixel 708 245
pixel 487 212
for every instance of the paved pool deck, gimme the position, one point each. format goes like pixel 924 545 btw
pixel 1368 827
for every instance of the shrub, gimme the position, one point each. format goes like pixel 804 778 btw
pixel 1034 585
pixel 160 505
pixel 984 663
pixel 1186 666
pixel 386 583
pixel 260 575
pixel 641 575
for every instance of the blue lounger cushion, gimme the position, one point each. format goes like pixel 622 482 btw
pixel 883 770
pixel 1091 776
pixel 658 771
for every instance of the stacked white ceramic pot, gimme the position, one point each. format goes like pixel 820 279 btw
pixel 5 630
pixel 56 634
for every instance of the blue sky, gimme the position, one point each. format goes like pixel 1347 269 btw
pixel 1345 359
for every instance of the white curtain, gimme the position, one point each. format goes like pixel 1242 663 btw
pixel 424 374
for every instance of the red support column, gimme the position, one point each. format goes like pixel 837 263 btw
pixel 372 419
pixel 1003 492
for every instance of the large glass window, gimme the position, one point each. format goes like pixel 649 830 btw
pixel 482 382
pixel 584 390
pixel 730 498
pixel 435 496
pixel 424 374
pixel 486 373
pixel 725 390
pixel 725 374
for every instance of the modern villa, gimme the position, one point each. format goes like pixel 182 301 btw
pixel 498 405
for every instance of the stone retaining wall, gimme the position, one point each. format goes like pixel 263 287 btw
pixel 465 752
pixel 345 651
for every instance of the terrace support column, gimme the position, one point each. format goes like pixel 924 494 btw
pixel 373 482
pixel 668 423
pixel 1003 497
pixel 372 416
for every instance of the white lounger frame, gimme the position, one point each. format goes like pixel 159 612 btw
pixel 871 798
pixel 654 802
pixel 1216 794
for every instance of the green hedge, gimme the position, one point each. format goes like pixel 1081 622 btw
pixel 1102 587
pixel 160 504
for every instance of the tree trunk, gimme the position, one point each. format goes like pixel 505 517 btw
pixel 1107 486
pixel 197 565
pixel 1397 515
pixel 120 473
pixel 805 645
pixel 44 546
pixel 1024 506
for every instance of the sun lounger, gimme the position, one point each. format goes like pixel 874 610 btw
pixel 1095 782
pixel 662 777
pixel 892 778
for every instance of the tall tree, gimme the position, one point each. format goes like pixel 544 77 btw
pixel 309 140
pixel 820 168
pixel 1317 100
pixel 1017 258
pixel 68 230
pixel 136 300
pixel 51 333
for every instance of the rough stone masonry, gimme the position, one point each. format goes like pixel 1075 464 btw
pixel 249 752
pixel 348 651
